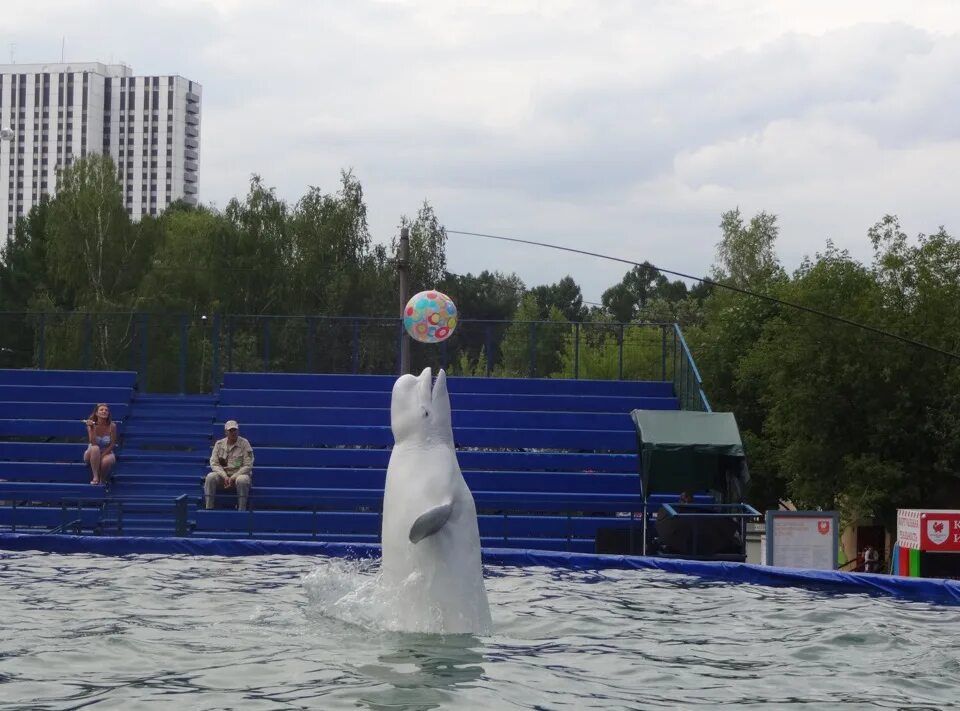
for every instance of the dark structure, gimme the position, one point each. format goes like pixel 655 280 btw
pixel 696 452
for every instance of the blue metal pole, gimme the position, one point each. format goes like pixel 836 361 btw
pixel 355 347
pixel 311 337
pixel 620 354
pixel 576 350
pixel 215 355
pixel 230 344
pixel 183 355
pixel 266 345
pixel 41 346
pixel 403 349
pixel 489 347
pixel 87 338
pixel 144 360
pixel 533 348
pixel 663 352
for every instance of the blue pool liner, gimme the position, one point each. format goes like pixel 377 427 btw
pixel 917 589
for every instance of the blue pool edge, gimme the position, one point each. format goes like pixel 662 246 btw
pixel 916 589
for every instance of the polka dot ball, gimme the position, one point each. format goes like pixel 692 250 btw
pixel 430 317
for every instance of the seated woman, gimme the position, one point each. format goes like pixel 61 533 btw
pixel 102 438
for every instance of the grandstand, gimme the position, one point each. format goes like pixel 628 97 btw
pixel 550 462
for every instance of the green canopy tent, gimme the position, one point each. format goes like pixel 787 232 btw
pixel 683 450
pixel 696 452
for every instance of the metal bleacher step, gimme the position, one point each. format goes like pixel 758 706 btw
pixel 146 531
pixel 135 507
pixel 164 460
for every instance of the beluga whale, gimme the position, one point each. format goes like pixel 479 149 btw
pixel 430 538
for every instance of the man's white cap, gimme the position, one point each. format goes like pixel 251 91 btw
pixel 230 425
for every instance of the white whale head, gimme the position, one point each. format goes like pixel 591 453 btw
pixel 421 414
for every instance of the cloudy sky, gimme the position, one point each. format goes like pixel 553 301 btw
pixel 622 127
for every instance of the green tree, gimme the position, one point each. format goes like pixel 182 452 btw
pixel 732 325
pixel 642 284
pixel 257 253
pixel 92 247
pixel 331 243
pixel 818 393
pixel 428 249
pixel 533 346
pixel 482 299
pixel 23 261
pixel 564 296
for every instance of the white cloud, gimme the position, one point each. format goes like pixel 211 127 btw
pixel 621 127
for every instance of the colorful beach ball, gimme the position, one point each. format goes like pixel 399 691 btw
pixel 430 317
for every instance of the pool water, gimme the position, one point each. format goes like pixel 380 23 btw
pixel 295 632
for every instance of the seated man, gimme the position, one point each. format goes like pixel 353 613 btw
pixel 231 463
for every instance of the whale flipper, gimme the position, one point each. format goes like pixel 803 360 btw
pixel 430 521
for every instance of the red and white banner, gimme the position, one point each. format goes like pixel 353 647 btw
pixel 929 530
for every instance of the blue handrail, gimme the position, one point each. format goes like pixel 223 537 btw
pixel 689 385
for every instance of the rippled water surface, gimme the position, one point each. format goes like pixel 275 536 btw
pixel 292 632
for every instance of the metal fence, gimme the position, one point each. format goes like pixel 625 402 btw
pixel 187 353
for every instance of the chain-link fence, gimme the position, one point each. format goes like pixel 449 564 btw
pixel 189 353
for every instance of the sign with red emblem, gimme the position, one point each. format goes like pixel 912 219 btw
pixel 802 539
pixel 932 530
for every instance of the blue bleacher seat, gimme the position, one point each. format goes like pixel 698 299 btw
pixel 382 436
pixel 88 378
pixel 50 492
pixel 460 402
pixel 41 413
pixel 548 461
pixel 455 384
pixel 530 450
pixel 76 472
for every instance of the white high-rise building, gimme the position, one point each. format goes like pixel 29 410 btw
pixel 150 126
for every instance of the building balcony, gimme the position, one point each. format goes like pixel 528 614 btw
pixel 189 189
pixel 192 131
pixel 190 166
pixel 189 176
pixel 193 119
pixel 191 143
pixel 190 154
pixel 193 98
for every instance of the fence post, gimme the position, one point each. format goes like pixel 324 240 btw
pixel 683 384
pixel 87 341
pixel 488 338
pixel 533 348
pixel 400 348
pixel 144 360
pixel 183 355
pixel 230 344
pixel 403 272
pixel 663 352
pixel 355 346
pixel 675 378
pixel 311 336
pixel 620 355
pixel 215 355
pixel 266 344
pixel 576 350
pixel 41 345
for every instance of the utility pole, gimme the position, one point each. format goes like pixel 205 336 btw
pixel 403 269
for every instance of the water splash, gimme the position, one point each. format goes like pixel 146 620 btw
pixel 355 592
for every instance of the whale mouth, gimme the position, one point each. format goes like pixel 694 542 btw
pixel 427 388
